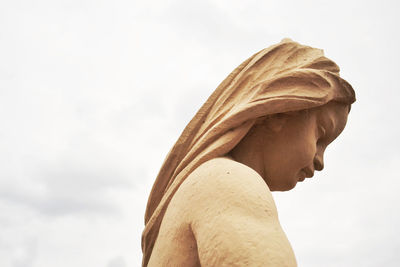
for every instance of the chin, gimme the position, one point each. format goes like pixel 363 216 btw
pixel 283 186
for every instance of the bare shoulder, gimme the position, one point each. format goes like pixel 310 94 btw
pixel 231 213
pixel 222 184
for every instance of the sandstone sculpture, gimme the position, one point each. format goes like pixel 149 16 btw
pixel 263 129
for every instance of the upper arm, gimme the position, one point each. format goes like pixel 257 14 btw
pixel 235 222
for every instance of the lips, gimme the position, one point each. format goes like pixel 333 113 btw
pixel 305 173
pixel 308 172
pixel 302 176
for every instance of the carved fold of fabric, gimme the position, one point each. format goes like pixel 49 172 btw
pixel 282 78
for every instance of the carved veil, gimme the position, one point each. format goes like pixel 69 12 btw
pixel 282 78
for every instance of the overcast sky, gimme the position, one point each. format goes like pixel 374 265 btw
pixel 94 93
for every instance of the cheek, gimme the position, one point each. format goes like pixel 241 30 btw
pixel 305 153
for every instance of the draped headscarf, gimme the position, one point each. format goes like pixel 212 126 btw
pixel 284 77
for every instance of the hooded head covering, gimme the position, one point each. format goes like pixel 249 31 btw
pixel 282 78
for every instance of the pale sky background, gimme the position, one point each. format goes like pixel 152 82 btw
pixel 93 94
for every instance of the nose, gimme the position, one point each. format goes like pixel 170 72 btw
pixel 318 162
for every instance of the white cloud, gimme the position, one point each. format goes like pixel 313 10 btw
pixel 94 93
pixel 26 254
pixel 117 262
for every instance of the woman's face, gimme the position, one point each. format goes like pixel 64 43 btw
pixel 287 149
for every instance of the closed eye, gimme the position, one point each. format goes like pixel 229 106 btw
pixel 321 131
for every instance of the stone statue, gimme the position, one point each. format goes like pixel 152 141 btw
pixel 265 128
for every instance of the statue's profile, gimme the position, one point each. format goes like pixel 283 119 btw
pixel 264 128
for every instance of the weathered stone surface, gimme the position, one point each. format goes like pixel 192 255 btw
pixel 264 128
